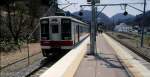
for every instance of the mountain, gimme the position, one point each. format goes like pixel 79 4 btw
pixel 132 20
pixel 139 18
pixel 100 18
pixel 119 18
pixel 86 15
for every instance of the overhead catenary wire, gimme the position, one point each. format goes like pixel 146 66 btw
pixel 101 11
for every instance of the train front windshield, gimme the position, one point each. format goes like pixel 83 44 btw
pixel 66 29
pixel 44 29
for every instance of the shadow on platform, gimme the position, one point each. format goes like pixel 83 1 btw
pixel 109 62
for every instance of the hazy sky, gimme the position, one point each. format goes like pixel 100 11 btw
pixel 109 10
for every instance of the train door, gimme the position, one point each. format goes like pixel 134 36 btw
pixel 55 31
pixel 66 29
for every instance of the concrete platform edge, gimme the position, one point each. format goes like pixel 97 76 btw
pixel 134 66
pixel 67 65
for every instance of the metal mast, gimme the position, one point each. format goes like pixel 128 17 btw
pixel 93 32
pixel 142 34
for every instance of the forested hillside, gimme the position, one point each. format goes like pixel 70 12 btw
pixel 18 19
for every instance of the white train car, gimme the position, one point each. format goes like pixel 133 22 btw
pixel 61 33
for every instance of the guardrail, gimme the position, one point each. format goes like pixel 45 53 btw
pixel 67 65
pixel 134 66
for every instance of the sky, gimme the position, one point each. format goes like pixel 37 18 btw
pixel 109 10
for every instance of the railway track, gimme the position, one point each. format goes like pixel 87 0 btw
pixel 18 61
pixel 36 73
pixel 21 69
pixel 46 64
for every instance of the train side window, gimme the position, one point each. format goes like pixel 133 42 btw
pixel 78 31
pixel 55 28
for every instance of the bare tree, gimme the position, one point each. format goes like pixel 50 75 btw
pixel 20 17
pixel 34 10
pixel 0 21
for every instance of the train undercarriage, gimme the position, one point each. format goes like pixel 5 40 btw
pixel 53 52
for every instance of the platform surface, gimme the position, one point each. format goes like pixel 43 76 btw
pixel 104 64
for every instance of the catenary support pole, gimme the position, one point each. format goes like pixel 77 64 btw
pixel 142 29
pixel 93 37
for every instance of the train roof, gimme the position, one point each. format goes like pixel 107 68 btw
pixel 73 19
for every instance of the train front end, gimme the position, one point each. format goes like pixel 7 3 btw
pixel 55 35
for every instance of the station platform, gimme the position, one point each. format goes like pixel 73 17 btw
pixel 104 64
pixel 112 59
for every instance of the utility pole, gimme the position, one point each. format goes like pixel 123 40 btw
pixel 143 24
pixel 93 37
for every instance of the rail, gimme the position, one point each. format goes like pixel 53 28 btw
pixel 5 66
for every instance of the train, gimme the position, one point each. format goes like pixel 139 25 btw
pixel 59 33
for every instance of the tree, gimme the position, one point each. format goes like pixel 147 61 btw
pixel 34 10
pixel 46 2
pixel 0 21
pixel 20 17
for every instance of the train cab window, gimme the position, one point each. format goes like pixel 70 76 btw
pixel 44 28
pixel 55 28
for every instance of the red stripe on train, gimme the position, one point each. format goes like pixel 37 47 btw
pixel 57 43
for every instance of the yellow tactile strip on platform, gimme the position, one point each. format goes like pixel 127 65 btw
pixel 134 66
